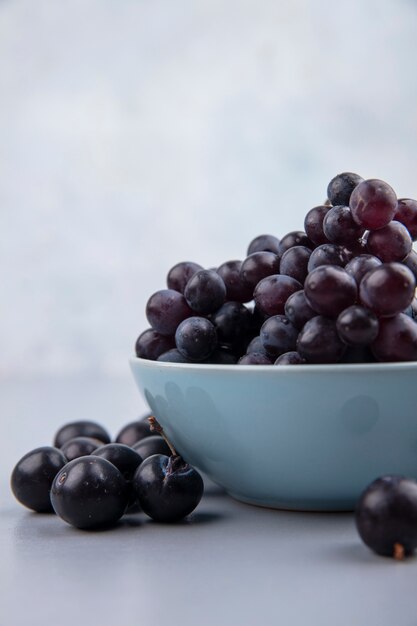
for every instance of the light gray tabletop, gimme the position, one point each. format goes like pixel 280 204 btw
pixel 230 563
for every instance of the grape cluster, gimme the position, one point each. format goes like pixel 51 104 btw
pixel 91 483
pixel 342 290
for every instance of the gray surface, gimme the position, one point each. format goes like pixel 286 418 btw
pixel 230 564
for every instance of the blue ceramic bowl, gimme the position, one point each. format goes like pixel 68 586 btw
pixel 308 437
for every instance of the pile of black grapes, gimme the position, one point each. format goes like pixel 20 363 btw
pixel 342 290
pixel 91 483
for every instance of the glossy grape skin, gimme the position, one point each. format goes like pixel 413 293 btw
pixel 313 224
pixel 80 428
pixel 386 516
pixel 396 340
pixel 179 275
pixel 298 310
pixel 406 213
pixel 172 356
pixel 32 477
pixel 278 335
pixel 89 492
pixel 205 292
pixel 79 446
pixel 257 266
pixel 340 188
pixel 151 445
pixel 373 204
pixel 294 263
pixel 125 458
pixel 290 358
pixel 357 326
pixel 294 238
pixel 272 292
pixel 134 431
pixel 255 358
pixel 387 289
pixel 165 310
pixel 264 243
pixel 328 254
pixel 236 289
pixel 361 265
pixel 232 322
pixel 329 289
pixel 319 341
pixel 390 243
pixel 340 227
pixel 167 488
pixel 150 344
pixel 196 338
pixel 410 261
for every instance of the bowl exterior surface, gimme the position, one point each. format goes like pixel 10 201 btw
pixel 293 437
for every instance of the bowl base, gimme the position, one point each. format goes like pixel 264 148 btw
pixel 302 507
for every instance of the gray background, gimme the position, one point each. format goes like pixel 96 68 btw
pixel 134 135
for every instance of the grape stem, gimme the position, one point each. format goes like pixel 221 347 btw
pixel 157 428
pixel 398 552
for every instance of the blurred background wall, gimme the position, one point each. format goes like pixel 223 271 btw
pixel 136 134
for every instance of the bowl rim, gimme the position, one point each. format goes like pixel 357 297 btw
pixel 308 367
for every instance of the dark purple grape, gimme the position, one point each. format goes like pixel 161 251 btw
pixel 406 213
pixel 205 292
pixel 123 457
pixel 373 204
pixel 89 492
pixel 390 243
pixel 278 335
pixel 255 345
pixel 196 338
pixel 341 186
pixel 33 475
pixel 255 358
pixel 264 243
pixel 294 263
pixel 166 309
pixel 290 358
pixel 414 309
pixel 387 289
pixel 222 356
pixel 396 340
pixel 150 344
pixel 151 445
pixel 80 446
pixel 357 326
pixel 257 266
pixel 361 265
pixel 135 431
pixel 298 310
pixel 411 262
pixel 272 293
pixel 340 227
pixel 319 341
pixel 294 238
pixel 328 254
pixel 313 224
pixel 386 516
pixel 358 354
pixel 167 488
pixel 172 356
pixel 329 289
pixel 81 428
pixel 232 322
pixel 236 289
pixel 180 274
